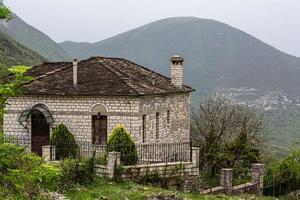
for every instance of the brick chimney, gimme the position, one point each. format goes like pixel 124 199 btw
pixel 177 70
pixel 75 69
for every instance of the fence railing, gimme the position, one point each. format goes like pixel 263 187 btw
pixel 164 152
pixel 278 189
pixel 147 153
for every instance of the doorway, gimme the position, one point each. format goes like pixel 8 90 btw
pixel 99 132
pixel 40 132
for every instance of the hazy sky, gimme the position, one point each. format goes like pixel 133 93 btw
pixel 276 22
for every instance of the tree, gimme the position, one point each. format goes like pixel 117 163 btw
pixel 227 134
pixel 12 87
pixel 120 141
pixel 5 12
pixel 64 142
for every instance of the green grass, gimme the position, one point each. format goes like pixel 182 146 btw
pixel 132 191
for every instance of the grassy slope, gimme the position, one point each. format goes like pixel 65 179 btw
pixel 13 53
pixel 132 191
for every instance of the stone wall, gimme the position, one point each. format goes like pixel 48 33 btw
pixel 227 187
pixel 101 171
pixel 178 130
pixel 76 113
pixel 185 174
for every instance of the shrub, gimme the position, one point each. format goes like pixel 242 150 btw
pixel 120 141
pixel 77 171
pixel 24 173
pixel 64 142
pixel 1 137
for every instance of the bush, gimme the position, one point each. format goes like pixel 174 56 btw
pixel 75 171
pixel 1 137
pixel 120 141
pixel 25 174
pixel 64 142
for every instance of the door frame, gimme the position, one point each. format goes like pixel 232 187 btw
pixel 95 118
pixel 46 135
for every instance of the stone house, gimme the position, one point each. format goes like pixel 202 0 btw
pixel 93 96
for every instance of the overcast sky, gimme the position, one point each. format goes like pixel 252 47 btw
pixel 276 22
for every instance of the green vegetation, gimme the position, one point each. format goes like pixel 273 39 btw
pixel 77 171
pixel 228 136
pixel 217 55
pixel 5 12
pixel 12 88
pixel 24 175
pixel 104 188
pixel 283 176
pixel 64 142
pixel 283 128
pixel 120 141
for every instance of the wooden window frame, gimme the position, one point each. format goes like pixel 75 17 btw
pixel 157 125
pixel 168 117
pixel 144 118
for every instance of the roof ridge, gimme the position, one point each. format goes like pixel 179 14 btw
pixel 152 71
pixel 47 74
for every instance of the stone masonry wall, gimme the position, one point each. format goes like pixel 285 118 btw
pixel 76 113
pixel 178 130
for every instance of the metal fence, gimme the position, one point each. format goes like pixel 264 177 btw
pixel 146 153
pixel 281 188
pixel 164 152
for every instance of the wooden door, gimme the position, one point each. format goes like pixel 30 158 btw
pixel 99 130
pixel 40 133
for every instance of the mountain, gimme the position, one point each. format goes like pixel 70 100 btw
pixel 33 39
pixel 13 53
pixel 219 59
pixel 216 55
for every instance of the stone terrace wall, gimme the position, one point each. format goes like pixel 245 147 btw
pixel 184 173
pixel 226 183
pixel 171 173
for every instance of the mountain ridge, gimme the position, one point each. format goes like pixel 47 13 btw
pixel 13 53
pixel 216 54
pixel 33 39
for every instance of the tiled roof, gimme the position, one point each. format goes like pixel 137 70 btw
pixel 98 76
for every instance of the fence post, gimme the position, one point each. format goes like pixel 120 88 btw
pixel 113 162
pixel 226 180
pixel 257 172
pixel 195 156
pixel 48 152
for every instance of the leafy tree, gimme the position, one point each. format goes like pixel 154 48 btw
pixel 120 141
pixel 12 87
pixel 5 12
pixel 284 172
pixel 64 142
pixel 227 134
